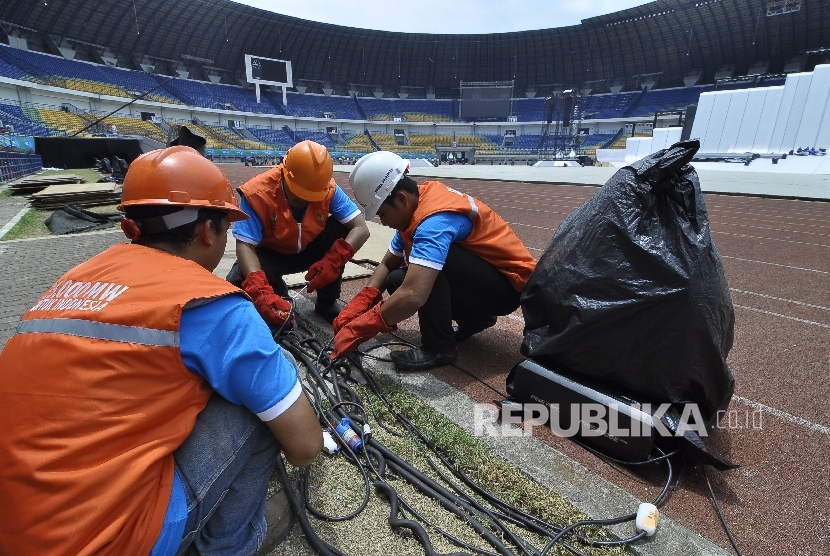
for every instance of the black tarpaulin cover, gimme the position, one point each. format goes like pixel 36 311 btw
pixel 631 291
pixel 73 219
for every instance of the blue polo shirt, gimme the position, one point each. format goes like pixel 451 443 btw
pixel 228 344
pixel 433 237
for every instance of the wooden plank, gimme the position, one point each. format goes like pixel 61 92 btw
pixel 77 189
pixel 59 178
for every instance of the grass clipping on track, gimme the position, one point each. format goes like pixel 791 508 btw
pixel 336 488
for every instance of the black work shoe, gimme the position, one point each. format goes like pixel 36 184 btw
pixel 464 332
pixel 279 520
pixel 421 358
pixel 328 309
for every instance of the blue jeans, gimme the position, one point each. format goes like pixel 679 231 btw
pixel 224 466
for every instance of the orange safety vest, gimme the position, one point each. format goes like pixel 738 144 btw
pixel 491 238
pixel 95 399
pixel 280 232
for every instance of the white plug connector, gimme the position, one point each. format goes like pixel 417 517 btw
pixel 367 430
pixel 647 518
pixel 329 445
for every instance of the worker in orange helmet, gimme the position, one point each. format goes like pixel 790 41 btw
pixel 300 220
pixel 145 402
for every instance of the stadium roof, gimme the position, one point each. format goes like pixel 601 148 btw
pixel 667 38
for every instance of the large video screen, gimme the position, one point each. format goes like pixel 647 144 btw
pixel 485 102
pixel 268 71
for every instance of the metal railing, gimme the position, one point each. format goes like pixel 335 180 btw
pixel 17 165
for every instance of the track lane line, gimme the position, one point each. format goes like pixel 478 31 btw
pixel 764 311
pixel 802 303
pixel 771 239
pixel 775 264
pixel 783 415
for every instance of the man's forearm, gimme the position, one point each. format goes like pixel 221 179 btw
pixel 358 233
pixel 378 279
pixel 400 306
pixel 247 258
pixel 411 296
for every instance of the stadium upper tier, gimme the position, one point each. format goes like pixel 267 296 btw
pixel 666 40
pixel 85 76
pixel 100 79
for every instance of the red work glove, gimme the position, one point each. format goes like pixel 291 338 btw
pixel 326 270
pixel 363 328
pixel 365 299
pixel 273 308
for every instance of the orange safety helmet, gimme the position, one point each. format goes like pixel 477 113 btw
pixel 178 176
pixel 307 170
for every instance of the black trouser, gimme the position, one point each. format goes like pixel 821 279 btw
pixel 276 265
pixel 468 289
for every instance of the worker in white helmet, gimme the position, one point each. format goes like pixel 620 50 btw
pixel 452 258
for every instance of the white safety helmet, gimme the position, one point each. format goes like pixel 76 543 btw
pixel 374 177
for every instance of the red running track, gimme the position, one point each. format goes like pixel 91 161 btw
pixel 776 254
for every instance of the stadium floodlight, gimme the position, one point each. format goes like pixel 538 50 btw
pixel 269 71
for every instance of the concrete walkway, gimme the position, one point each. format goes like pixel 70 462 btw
pixel 756 180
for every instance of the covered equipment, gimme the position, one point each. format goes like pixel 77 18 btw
pixel 631 294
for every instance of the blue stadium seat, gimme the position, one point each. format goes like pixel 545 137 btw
pixel 668 99
pixel 596 140
pixel 607 106
pixel 9 70
pixel 276 137
pixel 497 140
pixel 529 109
pixel 12 114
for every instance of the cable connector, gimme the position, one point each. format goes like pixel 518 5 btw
pixel 647 518
pixel 343 428
pixel 367 430
pixel 329 445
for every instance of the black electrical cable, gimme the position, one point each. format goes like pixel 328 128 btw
pixel 291 312
pixel 529 525
pixel 629 463
pixel 452 538
pixel 720 513
pixel 416 528
pixel 615 520
pixel 470 502
pixel 381 467
pixel 663 456
pixel 320 546
pixel 328 383
pixel 326 517
pixel 355 404
pixel 419 436
pixel 378 420
pixel 497 501
pixel 438 493
pixel 493 516
pixel 365 353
